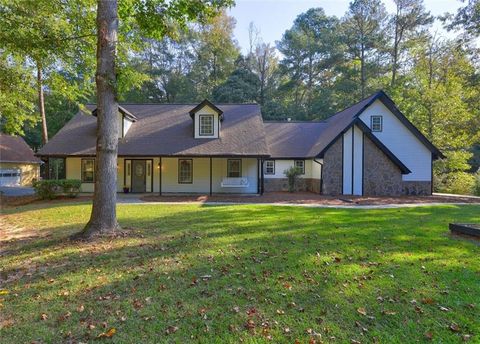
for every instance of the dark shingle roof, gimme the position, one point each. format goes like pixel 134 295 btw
pixel 294 139
pixel 291 139
pixel 167 129
pixel 15 149
pixel 309 139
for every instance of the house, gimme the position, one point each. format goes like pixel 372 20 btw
pixel 369 148
pixel 18 164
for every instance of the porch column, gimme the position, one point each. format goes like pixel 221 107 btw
pixel 160 176
pixel 262 178
pixel 210 176
pixel 46 169
pixel 258 175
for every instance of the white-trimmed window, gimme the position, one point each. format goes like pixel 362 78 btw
pixel 206 125
pixel 88 170
pixel 376 123
pixel 300 164
pixel 269 166
pixel 234 168
pixel 185 171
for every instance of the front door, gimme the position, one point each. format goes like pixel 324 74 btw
pixel 139 182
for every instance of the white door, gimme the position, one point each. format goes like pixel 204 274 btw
pixel 10 177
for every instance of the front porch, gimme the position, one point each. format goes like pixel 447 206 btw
pixel 176 175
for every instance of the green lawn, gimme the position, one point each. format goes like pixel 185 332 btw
pixel 225 274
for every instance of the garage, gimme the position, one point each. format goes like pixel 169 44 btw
pixel 19 167
pixel 10 177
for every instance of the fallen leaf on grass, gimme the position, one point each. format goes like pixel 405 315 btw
pixel 362 311
pixel 80 308
pixel 43 316
pixel 4 292
pixel 108 334
pixel 171 329
pixel 280 312
pixel 454 327
pixel 428 335
pixel 443 309
pixel 137 304
pixel 388 312
pixel 64 317
pixel 287 286
pixel 418 309
pixel 428 301
pixel 250 324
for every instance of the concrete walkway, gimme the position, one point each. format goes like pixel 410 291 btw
pixel 135 200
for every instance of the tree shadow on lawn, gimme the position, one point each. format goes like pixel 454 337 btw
pixel 328 262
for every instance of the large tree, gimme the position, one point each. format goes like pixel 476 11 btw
pixel 311 49
pixel 409 23
pixel 47 34
pixel 467 18
pixel 365 27
pixel 216 53
pixel 154 18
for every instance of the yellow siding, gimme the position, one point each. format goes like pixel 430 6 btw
pixel 30 172
pixel 74 171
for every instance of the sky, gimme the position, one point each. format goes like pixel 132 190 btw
pixel 273 17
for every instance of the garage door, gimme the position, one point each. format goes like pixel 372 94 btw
pixel 11 177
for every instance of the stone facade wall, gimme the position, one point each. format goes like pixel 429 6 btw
pixel 281 184
pixel 422 188
pixel 333 169
pixel 381 176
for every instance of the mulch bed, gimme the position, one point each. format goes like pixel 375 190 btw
pixel 311 198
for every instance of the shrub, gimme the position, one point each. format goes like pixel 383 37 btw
pixel 71 187
pixel 50 189
pixel 292 173
pixel 476 187
pixel 462 183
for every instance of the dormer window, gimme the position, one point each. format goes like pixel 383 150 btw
pixel 125 120
pixel 207 119
pixel 206 125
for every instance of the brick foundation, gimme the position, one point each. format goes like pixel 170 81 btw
pixel 414 188
pixel 302 184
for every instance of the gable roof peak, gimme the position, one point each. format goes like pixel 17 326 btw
pixel 208 103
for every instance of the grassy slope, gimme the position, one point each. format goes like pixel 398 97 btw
pixel 276 272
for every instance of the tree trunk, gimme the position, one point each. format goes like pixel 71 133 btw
pixel 41 103
pixel 104 218
pixel 395 48
pixel 362 70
